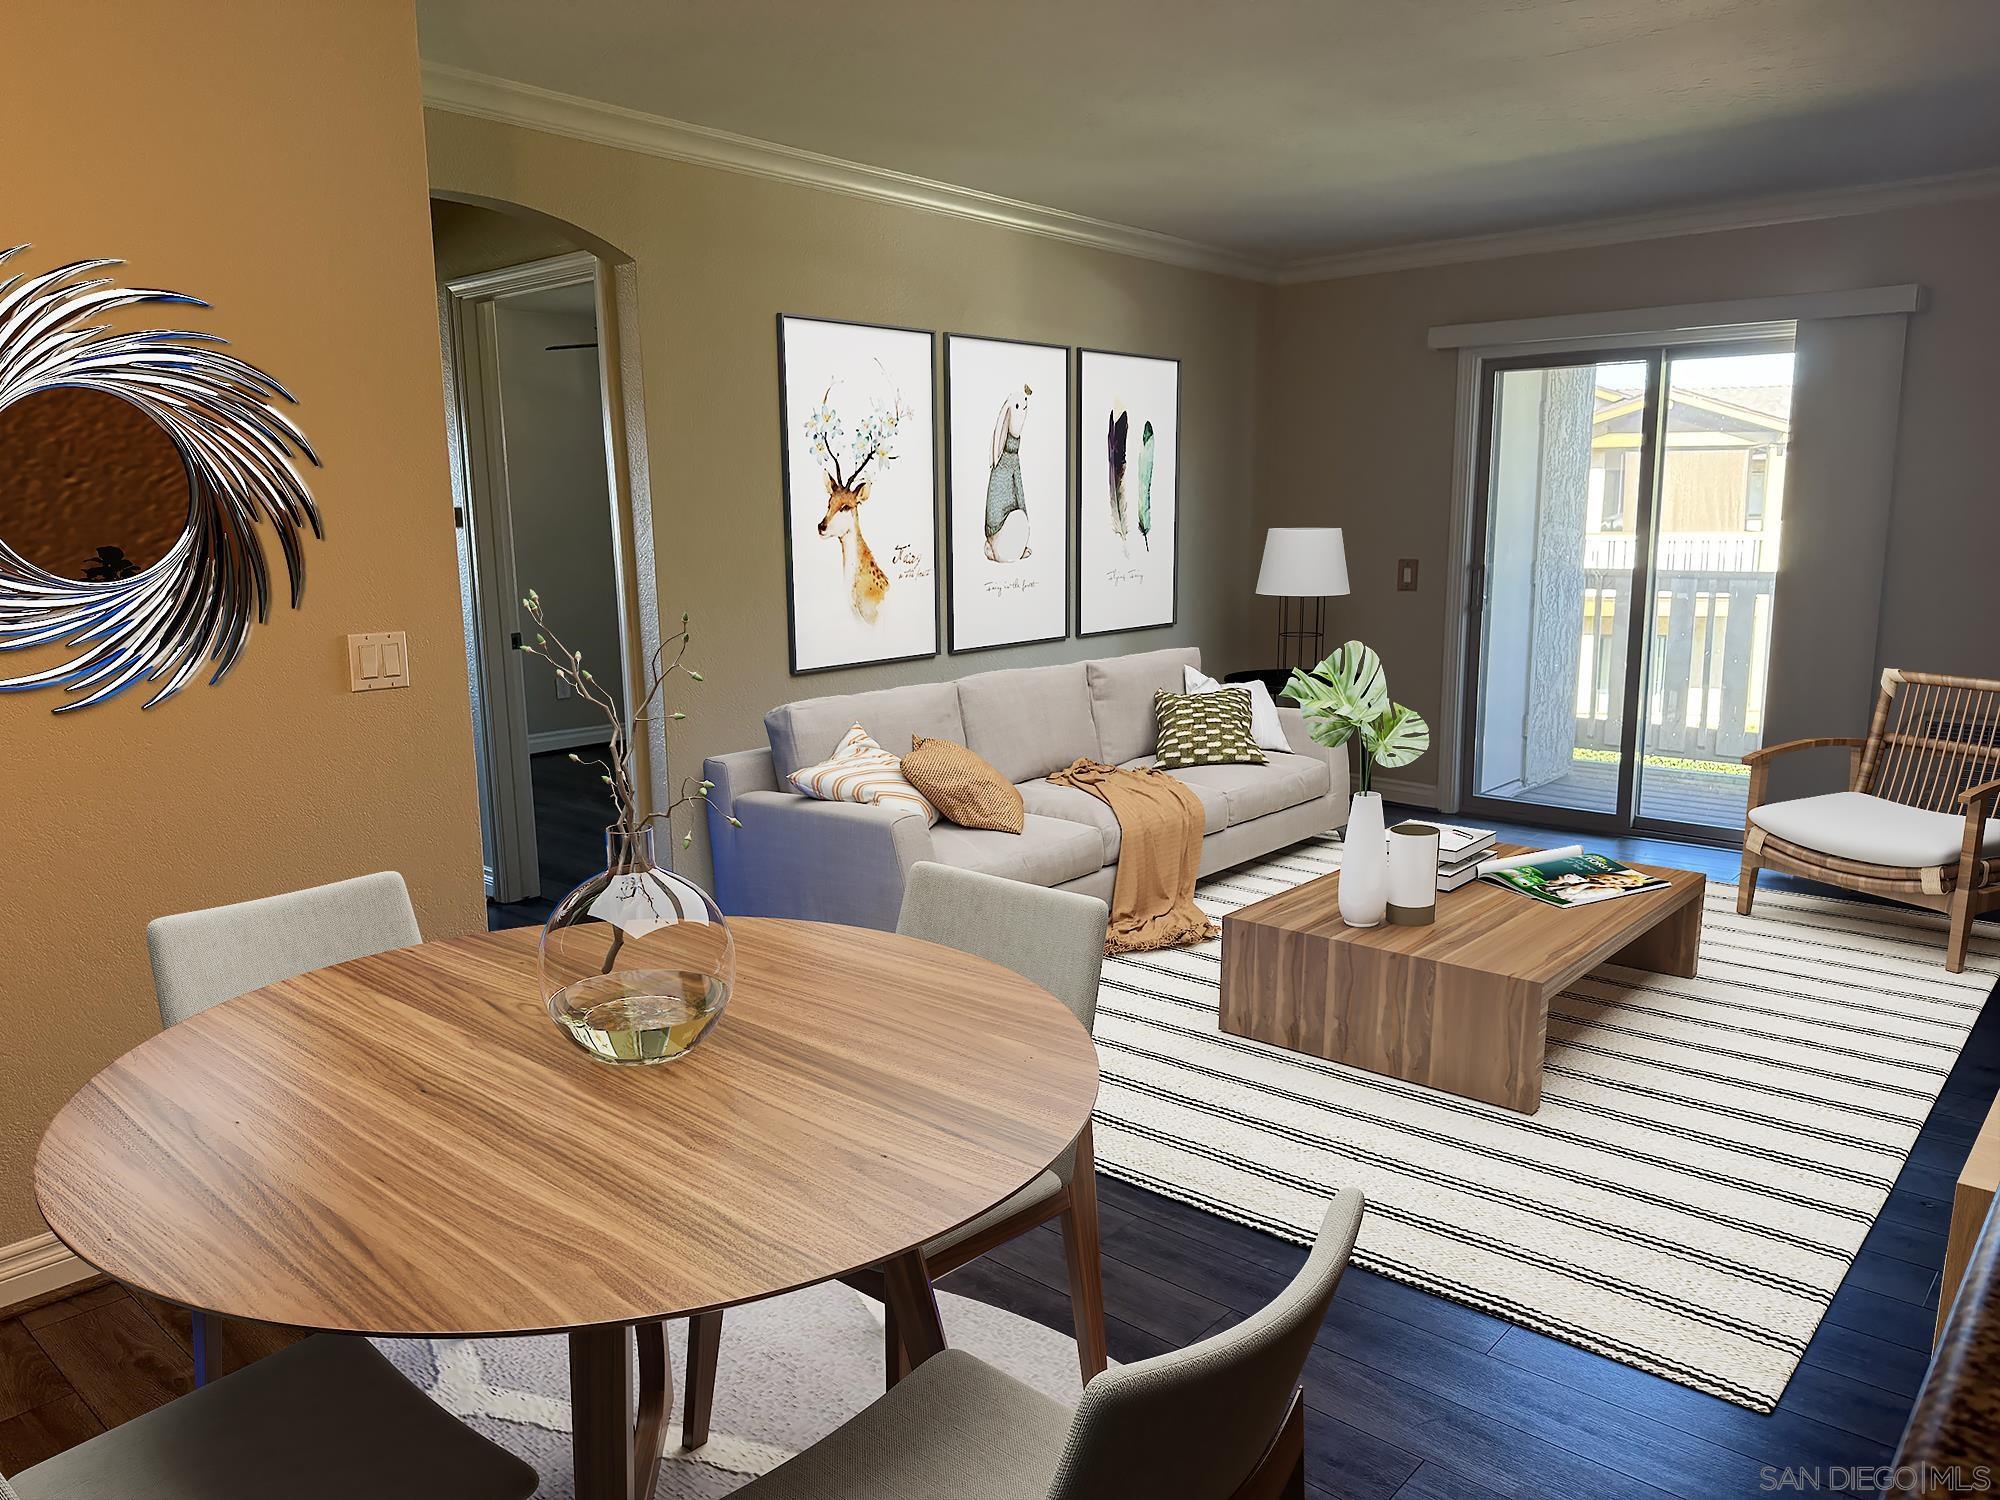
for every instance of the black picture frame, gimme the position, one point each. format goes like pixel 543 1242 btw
pixel 1068 505
pixel 1076 546
pixel 785 500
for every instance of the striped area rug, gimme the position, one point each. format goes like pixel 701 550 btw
pixel 1708 1156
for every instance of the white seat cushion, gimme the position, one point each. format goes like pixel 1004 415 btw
pixel 1874 830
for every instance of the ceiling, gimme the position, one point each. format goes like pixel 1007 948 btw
pixel 1287 129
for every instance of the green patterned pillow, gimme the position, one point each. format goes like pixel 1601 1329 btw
pixel 1205 729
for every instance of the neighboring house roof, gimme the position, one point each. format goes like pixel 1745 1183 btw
pixel 1756 408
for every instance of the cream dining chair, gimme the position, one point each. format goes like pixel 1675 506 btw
pixel 1055 938
pixel 201 958
pixel 1223 1419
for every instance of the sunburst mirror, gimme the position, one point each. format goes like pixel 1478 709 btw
pixel 136 467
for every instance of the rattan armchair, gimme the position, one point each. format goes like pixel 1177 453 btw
pixel 1916 823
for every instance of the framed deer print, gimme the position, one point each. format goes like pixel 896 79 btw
pixel 1127 491
pixel 1006 492
pixel 860 458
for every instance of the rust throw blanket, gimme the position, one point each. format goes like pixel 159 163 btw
pixel 1159 829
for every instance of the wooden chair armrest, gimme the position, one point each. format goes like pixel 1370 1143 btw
pixel 1984 792
pixel 1789 745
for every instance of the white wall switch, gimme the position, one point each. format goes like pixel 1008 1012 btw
pixel 380 659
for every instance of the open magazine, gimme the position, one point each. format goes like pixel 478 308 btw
pixel 1575 880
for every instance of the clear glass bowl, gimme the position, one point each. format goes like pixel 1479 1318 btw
pixel 637 962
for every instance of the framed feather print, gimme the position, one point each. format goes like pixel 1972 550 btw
pixel 857 407
pixel 1127 491
pixel 1006 492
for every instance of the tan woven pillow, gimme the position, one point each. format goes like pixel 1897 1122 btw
pixel 962 786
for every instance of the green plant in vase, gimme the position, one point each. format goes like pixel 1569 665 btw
pixel 637 962
pixel 1347 697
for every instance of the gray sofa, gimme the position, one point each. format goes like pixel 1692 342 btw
pixel 796 856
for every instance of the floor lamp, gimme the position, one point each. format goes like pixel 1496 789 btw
pixel 1302 564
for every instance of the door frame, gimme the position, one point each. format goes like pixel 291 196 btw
pixel 1472 463
pixel 468 323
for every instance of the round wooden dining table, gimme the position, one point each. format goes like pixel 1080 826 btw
pixel 406 1145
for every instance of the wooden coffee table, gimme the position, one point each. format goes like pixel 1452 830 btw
pixel 1460 1005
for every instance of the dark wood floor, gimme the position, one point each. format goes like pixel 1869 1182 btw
pixel 572 808
pixel 1410 1395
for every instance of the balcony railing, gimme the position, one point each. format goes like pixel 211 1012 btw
pixel 1703 694
pixel 1680 552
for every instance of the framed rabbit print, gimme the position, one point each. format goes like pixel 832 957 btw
pixel 1127 491
pixel 1006 492
pixel 860 461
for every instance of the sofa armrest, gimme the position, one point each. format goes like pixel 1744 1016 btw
pixel 796 856
pixel 730 776
pixel 1338 792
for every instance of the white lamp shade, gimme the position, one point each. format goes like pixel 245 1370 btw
pixel 1303 562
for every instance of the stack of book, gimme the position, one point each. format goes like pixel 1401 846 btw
pixel 1459 852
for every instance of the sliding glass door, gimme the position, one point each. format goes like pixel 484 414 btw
pixel 1627 530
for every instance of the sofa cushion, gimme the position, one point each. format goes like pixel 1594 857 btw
pixel 805 732
pixel 1254 791
pixel 1121 698
pixel 1028 721
pixel 1047 851
pixel 1874 830
pixel 1214 804
pixel 1073 805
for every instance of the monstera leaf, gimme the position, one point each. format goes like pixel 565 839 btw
pixel 1342 694
pixel 1396 738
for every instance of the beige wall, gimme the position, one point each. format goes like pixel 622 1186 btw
pixel 286 185
pixel 718 255
pixel 1356 420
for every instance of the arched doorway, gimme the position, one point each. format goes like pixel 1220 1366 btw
pixel 544 476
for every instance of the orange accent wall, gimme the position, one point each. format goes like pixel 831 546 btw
pixel 269 159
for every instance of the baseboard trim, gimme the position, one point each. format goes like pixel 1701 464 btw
pixel 566 739
pixel 36 1266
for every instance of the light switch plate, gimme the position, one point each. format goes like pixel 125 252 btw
pixel 1406 575
pixel 380 659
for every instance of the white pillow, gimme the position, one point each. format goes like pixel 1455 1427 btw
pixel 859 770
pixel 1264 726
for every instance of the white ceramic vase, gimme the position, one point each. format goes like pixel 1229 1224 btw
pixel 1364 863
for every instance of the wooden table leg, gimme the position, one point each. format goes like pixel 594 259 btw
pixel 913 1304
pixel 656 1382
pixel 601 1418
pixel 704 1352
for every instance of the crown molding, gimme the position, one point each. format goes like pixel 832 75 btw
pixel 461 91
pixel 483 96
pixel 1749 213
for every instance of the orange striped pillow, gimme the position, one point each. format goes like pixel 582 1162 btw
pixel 859 770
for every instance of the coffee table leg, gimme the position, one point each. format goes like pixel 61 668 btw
pixel 600 1396
pixel 1672 946
pixel 906 1285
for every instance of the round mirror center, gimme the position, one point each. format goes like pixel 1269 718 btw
pixel 90 486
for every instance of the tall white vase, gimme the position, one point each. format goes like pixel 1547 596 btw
pixel 1364 863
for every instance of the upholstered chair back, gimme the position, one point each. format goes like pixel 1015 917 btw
pixel 201 958
pixel 1055 938
pixel 1192 1425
